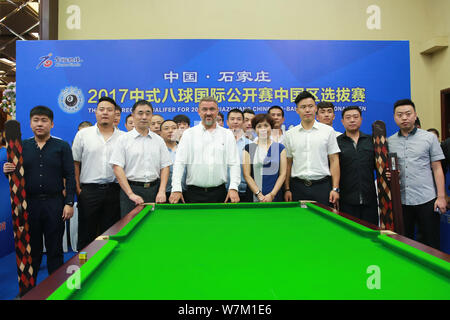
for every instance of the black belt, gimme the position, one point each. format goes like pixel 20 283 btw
pixel 99 185
pixel 45 196
pixel 309 183
pixel 209 189
pixel 143 184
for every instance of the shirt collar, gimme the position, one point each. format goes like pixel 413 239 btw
pixel 361 135
pixel 204 129
pixel 315 126
pixel 410 134
pixel 98 129
pixel 48 140
pixel 134 133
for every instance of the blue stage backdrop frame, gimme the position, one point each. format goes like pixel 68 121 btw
pixel 70 75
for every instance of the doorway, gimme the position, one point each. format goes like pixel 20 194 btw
pixel 445 114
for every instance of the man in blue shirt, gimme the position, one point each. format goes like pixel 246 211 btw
pixel 422 184
pixel 47 162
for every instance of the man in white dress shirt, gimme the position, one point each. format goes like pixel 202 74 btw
pixel 141 161
pixel 313 156
pixel 207 150
pixel 97 189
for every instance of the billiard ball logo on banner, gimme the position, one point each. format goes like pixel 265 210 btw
pixel 71 99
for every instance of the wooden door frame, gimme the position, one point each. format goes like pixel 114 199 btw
pixel 445 94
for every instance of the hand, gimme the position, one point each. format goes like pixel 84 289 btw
pixel 136 199
pixel 260 197
pixel 67 212
pixel 78 190
pixel 336 205
pixel 160 197
pixel 440 203
pixel 334 197
pixel 288 196
pixel 9 167
pixel 233 196
pixel 268 198
pixel 388 175
pixel 175 197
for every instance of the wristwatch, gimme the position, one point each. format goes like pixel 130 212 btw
pixel 69 204
pixel 336 189
pixel 259 191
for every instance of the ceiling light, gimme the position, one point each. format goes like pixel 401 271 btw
pixel 7 61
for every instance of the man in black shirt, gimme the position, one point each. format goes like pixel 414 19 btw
pixel 47 161
pixel 358 195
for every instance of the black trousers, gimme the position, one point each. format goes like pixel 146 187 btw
pixel 364 212
pixel 98 209
pixel 246 196
pixel 427 220
pixel 319 191
pixel 45 218
pixel 148 194
pixel 205 195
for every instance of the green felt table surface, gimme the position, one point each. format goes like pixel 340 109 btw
pixel 278 251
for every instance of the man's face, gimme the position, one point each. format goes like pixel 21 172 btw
pixel 208 111
pixel 142 115
pixel 248 121
pixel 235 121
pixel 168 130
pixel 116 117
pixel 155 124
pixel 405 117
pixel 219 121
pixel 41 125
pixel 277 116
pixel 182 126
pixel 105 113
pixel 306 109
pixel 130 123
pixel 352 120
pixel 326 116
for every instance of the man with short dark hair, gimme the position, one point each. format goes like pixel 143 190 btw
pixel 277 114
pixel 313 157
pixel 97 188
pixel 358 195
pixel 129 122
pixel 155 123
pixel 141 161
pixel 47 162
pixel 168 133
pixel 84 124
pixel 220 119
pixel 250 133
pixel 422 182
pixel 235 122
pixel 183 122
pixel 325 114
pixel 117 114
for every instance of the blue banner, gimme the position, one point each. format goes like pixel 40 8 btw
pixel 70 76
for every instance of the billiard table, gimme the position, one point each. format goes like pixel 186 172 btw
pixel 256 251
